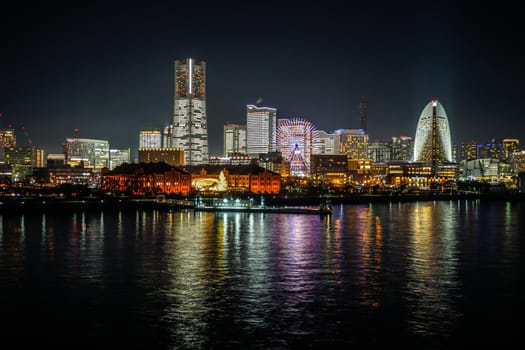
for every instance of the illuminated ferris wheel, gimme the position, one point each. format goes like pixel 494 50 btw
pixel 296 139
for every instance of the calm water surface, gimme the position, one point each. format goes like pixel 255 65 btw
pixel 422 275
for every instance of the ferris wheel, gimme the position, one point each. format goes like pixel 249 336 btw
pixel 296 139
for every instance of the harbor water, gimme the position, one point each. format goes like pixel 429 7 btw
pixel 425 275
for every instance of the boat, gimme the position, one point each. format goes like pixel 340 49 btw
pixel 248 205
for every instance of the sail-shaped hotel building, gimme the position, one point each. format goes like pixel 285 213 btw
pixel 432 143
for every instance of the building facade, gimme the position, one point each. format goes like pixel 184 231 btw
pixel 352 142
pixel 402 148
pixel 7 137
pixel 189 130
pixel 380 151
pixel 171 156
pixel 326 142
pixel 234 139
pixel 261 124
pixel 147 178
pixel 151 138
pixel 118 157
pixel 87 153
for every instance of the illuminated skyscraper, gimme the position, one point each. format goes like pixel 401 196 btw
pixel 432 143
pixel 190 129
pixel 261 123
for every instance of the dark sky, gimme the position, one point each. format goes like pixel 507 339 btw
pixel 107 68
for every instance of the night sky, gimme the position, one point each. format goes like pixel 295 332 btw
pixel 107 68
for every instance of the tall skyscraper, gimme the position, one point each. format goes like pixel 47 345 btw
pixel 432 143
pixel 190 128
pixel 261 124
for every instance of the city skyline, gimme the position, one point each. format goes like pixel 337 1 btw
pixel 108 71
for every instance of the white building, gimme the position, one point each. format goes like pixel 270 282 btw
pixel 261 124
pixel 432 141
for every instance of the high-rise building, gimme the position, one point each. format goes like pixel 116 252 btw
pixel 87 153
pixel 380 151
pixel 491 150
pixel 402 148
pixel 118 157
pixel 189 130
pixel 518 161
pixel 352 142
pixel 150 138
pixel 469 151
pixel 7 137
pixel 19 156
pixel 326 142
pixel 509 146
pixel 261 124
pixel 432 142
pixel 234 139
pixel 38 160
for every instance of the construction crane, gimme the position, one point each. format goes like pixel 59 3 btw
pixel 29 141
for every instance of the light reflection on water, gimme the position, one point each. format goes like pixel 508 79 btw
pixel 396 273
